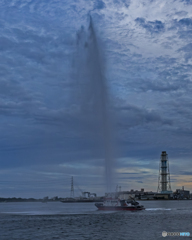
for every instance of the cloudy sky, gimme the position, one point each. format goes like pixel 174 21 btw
pixel 46 137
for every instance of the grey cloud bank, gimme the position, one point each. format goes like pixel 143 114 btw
pixel 45 138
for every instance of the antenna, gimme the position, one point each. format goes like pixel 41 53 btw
pixel 72 188
pixel 164 183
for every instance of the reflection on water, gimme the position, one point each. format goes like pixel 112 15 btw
pixel 157 209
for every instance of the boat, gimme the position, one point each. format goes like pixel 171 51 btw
pixel 119 204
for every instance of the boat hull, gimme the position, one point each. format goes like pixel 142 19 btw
pixel 119 208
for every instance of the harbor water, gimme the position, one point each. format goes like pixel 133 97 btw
pixel 56 220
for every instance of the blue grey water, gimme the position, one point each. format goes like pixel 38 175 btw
pixel 55 220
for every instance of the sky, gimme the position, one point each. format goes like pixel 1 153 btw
pixel 47 137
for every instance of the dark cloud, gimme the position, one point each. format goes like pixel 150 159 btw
pixel 146 85
pixel 151 26
pixel 131 178
pixel 181 13
pixel 130 116
pixel 6 44
pixel 186 1
pixel 184 27
pixel 185 34
pixel 99 4
pixel 186 173
pixel 125 3
pixel 186 48
pixel 185 22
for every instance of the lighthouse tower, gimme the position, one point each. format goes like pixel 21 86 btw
pixel 164 185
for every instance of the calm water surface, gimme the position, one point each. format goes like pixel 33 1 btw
pixel 47 221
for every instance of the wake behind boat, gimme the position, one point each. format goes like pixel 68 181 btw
pixel 117 204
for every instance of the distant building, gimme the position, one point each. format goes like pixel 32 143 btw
pixel 147 196
pixel 163 196
pixel 181 194
pixel 138 194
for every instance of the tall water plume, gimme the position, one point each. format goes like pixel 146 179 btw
pixel 95 97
